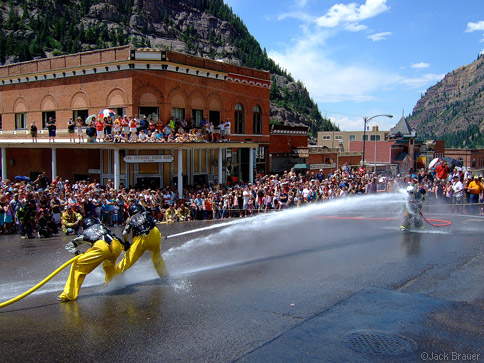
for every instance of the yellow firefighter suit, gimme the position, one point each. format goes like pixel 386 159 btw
pixel 147 237
pixel 106 249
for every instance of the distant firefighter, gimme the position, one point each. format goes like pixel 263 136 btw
pixel 412 217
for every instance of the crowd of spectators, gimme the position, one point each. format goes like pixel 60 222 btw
pixel 44 207
pixel 134 129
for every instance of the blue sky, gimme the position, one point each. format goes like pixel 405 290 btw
pixel 366 57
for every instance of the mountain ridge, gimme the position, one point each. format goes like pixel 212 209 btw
pixel 453 109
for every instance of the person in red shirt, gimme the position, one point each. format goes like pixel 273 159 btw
pixel 100 129
pixel 442 171
pixel 133 130
pixel 125 127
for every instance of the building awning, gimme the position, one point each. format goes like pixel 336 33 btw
pixel 301 166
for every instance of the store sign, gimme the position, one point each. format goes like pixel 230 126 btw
pixel 321 166
pixel 148 159
pixel 302 153
pixel 94 171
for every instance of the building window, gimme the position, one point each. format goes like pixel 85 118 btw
pixel 239 119
pixel 20 121
pixel 257 120
pixel 365 137
pixel 260 153
pixel 338 137
pixel 326 137
pixel 151 113
pixel 45 117
pixel 214 118
pixel 197 117
pixel 120 111
pixel 352 137
pixel 178 113
pixel 375 137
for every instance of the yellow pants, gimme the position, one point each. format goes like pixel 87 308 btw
pixel 141 244
pixel 87 262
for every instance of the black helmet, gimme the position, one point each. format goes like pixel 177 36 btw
pixel 135 209
pixel 88 222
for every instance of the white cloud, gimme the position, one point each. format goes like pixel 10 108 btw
pixel 379 36
pixel 347 124
pixel 357 124
pixel 351 13
pixel 354 27
pixel 330 81
pixel 426 79
pixel 420 65
pixel 471 27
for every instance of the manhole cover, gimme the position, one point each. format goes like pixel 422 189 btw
pixel 379 343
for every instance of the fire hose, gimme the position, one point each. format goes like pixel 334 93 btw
pixel 443 224
pixel 40 284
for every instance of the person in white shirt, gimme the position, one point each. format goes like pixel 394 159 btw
pixel 246 197
pixel 142 137
pixel 227 130
pixel 222 131
pixel 458 194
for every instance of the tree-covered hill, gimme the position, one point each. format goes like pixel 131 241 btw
pixel 453 109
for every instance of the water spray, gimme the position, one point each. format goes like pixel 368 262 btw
pixel 221 225
pixel 276 235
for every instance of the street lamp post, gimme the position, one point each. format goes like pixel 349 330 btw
pixel 376 131
pixel 366 120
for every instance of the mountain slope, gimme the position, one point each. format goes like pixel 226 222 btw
pixel 206 28
pixel 453 109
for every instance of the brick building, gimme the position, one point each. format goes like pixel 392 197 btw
pixel 470 158
pixel 144 82
pixel 285 145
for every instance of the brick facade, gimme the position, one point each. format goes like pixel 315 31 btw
pixel 128 81
pixel 112 78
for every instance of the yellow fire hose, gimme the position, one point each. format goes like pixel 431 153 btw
pixel 40 284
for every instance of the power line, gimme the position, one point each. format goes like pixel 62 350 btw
pixel 341 113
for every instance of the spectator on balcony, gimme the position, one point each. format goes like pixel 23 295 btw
pixel 52 127
pixel 125 127
pixel 79 125
pixel 70 130
pixel 33 131
pixel 108 127
pixel 100 129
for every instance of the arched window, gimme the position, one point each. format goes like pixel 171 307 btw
pixel 239 119
pixel 257 120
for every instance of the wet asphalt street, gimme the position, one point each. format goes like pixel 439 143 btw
pixel 324 284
